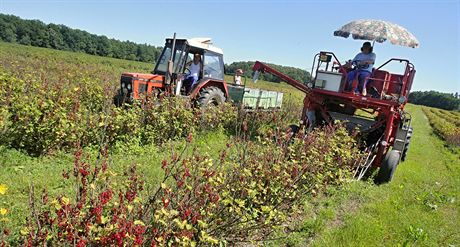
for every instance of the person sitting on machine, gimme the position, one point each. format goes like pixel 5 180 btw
pixel 194 67
pixel 363 62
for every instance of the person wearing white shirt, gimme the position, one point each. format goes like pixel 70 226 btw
pixel 237 77
pixel 195 67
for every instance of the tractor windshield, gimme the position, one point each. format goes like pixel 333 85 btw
pixel 213 65
pixel 162 63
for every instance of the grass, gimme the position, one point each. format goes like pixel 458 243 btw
pixel 420 207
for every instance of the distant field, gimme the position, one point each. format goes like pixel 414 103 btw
pixel 421 207
pixel 14 57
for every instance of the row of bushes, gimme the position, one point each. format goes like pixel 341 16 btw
pixel 443 127
pixel 251 189
pixel 39 117
pixel 449 116
pixel 52 100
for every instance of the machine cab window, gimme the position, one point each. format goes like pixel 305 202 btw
pixel 181 50
pixel 213 66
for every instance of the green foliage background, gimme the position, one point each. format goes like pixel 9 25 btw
pixel 436 99
pixel 36 33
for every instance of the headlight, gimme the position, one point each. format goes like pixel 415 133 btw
pixel 123 84
pixel 129 86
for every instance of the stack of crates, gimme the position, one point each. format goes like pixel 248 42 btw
pixel 262 99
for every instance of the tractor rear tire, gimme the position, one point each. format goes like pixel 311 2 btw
pixel 388 167
pixel 407 144
pixel 210 96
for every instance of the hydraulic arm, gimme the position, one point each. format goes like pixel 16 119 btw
pixel 263 68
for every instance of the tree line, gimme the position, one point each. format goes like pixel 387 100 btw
pixel 446 101
pixel 295 73
pixel 36 33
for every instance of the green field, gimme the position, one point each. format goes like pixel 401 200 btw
pixel 420 207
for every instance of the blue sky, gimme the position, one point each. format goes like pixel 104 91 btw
pixel 286 32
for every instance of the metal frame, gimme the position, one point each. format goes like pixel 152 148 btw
pixel 389 111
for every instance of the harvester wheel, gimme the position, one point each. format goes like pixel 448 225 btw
pixel 210 96
pixel 388 167
pixel 406 145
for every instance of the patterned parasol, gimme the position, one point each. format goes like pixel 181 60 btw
pixel 377 30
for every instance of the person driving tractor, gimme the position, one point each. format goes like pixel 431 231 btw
pixel 363 61
pixel 195 67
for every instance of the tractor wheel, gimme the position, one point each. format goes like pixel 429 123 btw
pixel 210 96
pixel 388 167
pixel 406 146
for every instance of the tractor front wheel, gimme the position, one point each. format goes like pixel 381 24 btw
pixel 388 167
pixel 210 96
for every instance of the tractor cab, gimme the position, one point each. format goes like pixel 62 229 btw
pixel 171 69
pixel 184 50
